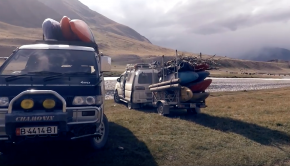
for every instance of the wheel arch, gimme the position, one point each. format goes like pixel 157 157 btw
pixel 166 106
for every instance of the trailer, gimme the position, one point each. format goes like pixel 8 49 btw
pixel 166 95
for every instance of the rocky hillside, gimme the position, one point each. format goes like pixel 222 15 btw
pixel 20 23
pixel 31 13
pixel 21 20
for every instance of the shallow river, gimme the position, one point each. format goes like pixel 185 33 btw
pixel 222 84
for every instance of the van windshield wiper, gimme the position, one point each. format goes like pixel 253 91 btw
pixel 11 78
pixel 44 72
pixel 78 73
pixel 14 77
pixel 63 74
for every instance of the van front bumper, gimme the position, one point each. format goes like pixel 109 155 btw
pixel 72 122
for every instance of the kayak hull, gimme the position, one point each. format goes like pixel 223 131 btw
pixel 185 77
pixel 197 97
pixel 200 86
pixel 66 29
pixel 185 94
pixel 51 29
pixel 82 31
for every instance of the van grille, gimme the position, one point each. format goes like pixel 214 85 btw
pixel 69 100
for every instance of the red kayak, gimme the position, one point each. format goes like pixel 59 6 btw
pixel 201 67
pixel 200 86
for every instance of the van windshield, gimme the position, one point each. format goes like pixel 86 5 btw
pixel 145 78
pixel 50 60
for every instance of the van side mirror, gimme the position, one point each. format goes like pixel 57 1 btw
pixel 4 58
pixel 118 79
pixel 105 63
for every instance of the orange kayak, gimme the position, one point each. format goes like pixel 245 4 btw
pixel 66 29
pixel 82 30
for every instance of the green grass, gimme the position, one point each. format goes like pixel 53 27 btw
pixel 237 128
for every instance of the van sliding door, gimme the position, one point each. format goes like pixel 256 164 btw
pixel 129 85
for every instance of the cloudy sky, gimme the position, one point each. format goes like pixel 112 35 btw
pixel 222 27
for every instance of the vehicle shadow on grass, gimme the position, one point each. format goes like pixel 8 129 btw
pixel 122 148
pixel 259 134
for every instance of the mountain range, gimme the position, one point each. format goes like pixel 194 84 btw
pixel 21 21
pixel 268 54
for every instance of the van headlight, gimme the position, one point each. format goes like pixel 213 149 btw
pixel 48 103
pixel 87 100
pixel 4 101
pixel 27 104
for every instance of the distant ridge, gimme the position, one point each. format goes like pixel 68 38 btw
pixel 273 54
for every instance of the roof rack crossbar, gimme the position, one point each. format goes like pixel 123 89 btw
pixel 75 43
pixel 139 65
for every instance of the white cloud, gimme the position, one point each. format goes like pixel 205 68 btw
pixel 226 27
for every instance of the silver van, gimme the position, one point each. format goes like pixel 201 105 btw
pixel 132 85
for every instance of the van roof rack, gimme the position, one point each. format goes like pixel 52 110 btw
pixel 75 43
pixel 138 65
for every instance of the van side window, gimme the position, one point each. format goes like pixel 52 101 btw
pixel 128 76
pixel 145 78
pixel 122 78
pixel 132 76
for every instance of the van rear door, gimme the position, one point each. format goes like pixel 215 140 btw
pixel 141 87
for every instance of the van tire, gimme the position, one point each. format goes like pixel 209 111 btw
pixel 116 97
pixel 97 144
pixel 6 148
pixel 129 105
pixel 193 111
pixel 159 109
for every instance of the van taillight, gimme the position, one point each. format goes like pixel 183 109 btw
pixel 139 88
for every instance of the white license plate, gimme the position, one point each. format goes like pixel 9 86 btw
pixel 192 105
pixel 36 130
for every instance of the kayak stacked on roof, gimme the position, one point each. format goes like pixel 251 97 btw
pixel 192 76
pixel 67 30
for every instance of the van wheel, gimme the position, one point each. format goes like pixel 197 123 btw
pixel 160 109
pixel 129 105
pixel 100 141
pixel 3 148
pixel 193 111
pixel 116 97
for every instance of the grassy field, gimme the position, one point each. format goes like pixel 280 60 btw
pixel 242 76
pixel 118 70
pixel 113 74
pixel 237 128
pixel 117 73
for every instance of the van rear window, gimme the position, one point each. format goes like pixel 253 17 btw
pixel 145 78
